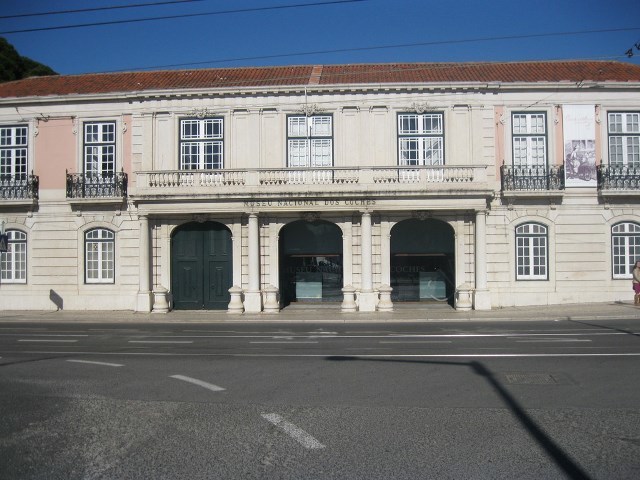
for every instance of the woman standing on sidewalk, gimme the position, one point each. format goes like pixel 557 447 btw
pixel 636 283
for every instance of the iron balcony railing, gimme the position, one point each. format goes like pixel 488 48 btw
pixel 618 177
pixel 19 187
pixel 526 178
pixel 94 185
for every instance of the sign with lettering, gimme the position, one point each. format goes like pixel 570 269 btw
pixel 309 203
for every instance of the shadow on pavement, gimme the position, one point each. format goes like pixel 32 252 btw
pixel 571 469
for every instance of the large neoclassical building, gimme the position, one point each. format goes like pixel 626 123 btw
pixel 248 189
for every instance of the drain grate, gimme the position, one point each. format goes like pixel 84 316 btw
pixel 530 379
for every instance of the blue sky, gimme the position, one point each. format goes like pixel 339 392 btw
pixel 368 31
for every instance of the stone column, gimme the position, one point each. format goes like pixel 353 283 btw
pixel 144 300
pixel 368 299
pixel 385 304
pixel 253 296
pixel 481 297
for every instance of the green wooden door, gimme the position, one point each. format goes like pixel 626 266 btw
pixel 201 268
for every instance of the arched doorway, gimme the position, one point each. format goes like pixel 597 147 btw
pixel 310 262
pixel 201 266
pixel 422 261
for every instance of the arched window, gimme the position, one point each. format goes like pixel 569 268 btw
pixel 532 253
pixel 99 256
pixel 13 262
pixel 625 248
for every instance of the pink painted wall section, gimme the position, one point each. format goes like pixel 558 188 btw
pixel 499 118
pixel 54 152
pixel 559 134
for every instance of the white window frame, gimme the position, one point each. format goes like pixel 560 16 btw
pixel 13 262
pixel 99 147
pixel 201 143
pixel 99 256
pixel 532 251
pixel 529 139
pixel 14 151
pixel 309 141
pixel 624 138
pixel 420 139
pixel 625 249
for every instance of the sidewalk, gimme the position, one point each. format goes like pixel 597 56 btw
pixel 328 313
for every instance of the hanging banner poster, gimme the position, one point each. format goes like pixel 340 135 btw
pixel 579 145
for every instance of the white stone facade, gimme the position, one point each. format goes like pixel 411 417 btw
pixel 363 192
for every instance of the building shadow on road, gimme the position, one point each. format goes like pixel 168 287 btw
pixel 571 469
pixel 606 327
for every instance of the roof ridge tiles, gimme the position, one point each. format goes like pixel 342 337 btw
pixel 323 74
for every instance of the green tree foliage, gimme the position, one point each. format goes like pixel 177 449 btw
pixel 14 66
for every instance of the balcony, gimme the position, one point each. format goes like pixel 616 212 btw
pixel 320 182
pixel 19 189
pixel 96 188
pixel 618 180
pixel 532 182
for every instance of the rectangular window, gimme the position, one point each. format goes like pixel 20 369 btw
pixel 100 148
pixel 13 151
pixel 529 136
pixel 310 141
pixel 420 139
pixel 201 144
pixel 624 139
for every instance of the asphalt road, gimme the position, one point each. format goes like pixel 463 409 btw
pixel 528 400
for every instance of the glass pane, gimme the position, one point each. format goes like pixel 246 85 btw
pixel 615 123
pixel 408 124
pixel 432 124
pixel 321 126
pixel 298 153
pixel 297 126
pixel 409 151
pixel 321 153
pixel 433 151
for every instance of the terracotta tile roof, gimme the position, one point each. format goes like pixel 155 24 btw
pixel 402 73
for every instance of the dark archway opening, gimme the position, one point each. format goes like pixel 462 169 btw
pixel 310 262
pixel 422 261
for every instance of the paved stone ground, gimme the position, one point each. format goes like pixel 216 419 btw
pixel 331 313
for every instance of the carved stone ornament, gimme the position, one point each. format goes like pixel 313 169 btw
pixel 421 107
pixel 74 128
pixel 200 112
pixel 200 218
pixel 310 110
pixel 311 216
pixel 421 214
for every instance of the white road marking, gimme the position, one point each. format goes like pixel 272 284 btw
pixel 555 340
pixel 39 335
pixel 295 432
pixel 195 381
pixel 288 342
pixel 45 340
pixel 106 364
pixel 160 341
pixel 415 341
pixel 345 355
